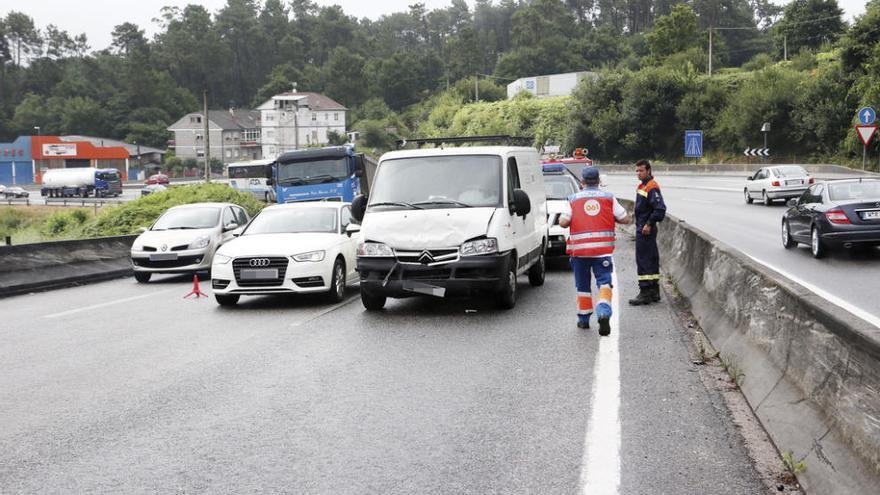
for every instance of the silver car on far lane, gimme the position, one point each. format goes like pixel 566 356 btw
pixel 777 182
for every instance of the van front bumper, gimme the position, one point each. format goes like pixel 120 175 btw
pixel 468 276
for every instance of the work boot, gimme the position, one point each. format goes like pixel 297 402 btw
pixel 584 324
pixel 604 325
pixel 655 293
pixel 643 298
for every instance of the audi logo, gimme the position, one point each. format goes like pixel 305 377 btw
pixel 259 262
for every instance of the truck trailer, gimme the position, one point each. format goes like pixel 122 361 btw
pixel 81 182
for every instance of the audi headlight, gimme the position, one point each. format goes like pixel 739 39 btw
pixel 200 242
pixel 221 259
pixel 479 246
pixel 375 250
pixel 310 256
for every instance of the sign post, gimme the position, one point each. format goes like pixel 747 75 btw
pixel 866 133
pixel 693 144
pixel 866 116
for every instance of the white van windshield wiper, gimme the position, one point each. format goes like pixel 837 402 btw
pixel 444 202
pixel 398 203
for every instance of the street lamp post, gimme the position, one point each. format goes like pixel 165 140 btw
pixel 40 141
pixel 766 130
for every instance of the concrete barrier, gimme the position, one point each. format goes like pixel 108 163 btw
pixel 733 169
pixel 48 265
pixel 811 369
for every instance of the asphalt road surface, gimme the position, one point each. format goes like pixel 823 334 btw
pixel 122 387
pixel 715 205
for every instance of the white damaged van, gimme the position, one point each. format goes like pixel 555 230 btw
pixel 447 222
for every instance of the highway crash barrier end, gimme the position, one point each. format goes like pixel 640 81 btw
pixel 811 369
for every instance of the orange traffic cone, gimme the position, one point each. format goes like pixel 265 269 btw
pixel 196 292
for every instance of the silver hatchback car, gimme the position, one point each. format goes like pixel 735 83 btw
pixel 777 182
pixel 185 238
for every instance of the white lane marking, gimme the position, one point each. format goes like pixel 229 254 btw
pixel 692 200
pixel 109 303
pixel 861 313
pixel 600 469
pixel 704 188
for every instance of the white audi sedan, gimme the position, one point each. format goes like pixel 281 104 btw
pixel 778 182
pixel 184 239
pixel 289 248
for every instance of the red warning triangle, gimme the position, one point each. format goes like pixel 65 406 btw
pixel 866 132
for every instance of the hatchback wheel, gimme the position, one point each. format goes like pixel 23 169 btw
pixel 787 241
pixel 817 247
pixel 337 282
pixel 748 196
pixel 766 199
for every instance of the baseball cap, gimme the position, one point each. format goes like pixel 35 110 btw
pixel 590 174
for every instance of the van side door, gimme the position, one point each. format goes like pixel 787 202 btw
pixel 519 232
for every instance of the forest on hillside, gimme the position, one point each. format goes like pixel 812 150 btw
pixel 800 66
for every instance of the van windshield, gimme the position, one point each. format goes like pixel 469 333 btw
pixel 438 182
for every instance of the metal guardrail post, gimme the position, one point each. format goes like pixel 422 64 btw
pixel 8 240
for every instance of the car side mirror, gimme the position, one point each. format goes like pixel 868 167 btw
pixel 750 178
pixel 522 205
pixel 270 182
pixel 231 226
pixel 352 229
pixel 792 202
pixel 359 207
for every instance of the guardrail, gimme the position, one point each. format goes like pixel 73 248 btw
pixel 48 265
pixel 812 370
pixel 82 201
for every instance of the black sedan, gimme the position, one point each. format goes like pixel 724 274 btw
pixel 839 213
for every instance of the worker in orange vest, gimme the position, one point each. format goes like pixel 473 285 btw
pixel 591 216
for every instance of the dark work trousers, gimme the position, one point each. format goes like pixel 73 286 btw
pixel 647 258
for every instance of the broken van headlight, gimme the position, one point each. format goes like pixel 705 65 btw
pixel 479 246
pixel 375 250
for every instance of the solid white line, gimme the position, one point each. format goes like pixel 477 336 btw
pixel 861 313
pixel 109 303
pixel 600 469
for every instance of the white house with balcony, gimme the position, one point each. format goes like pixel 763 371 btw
pixel 295 120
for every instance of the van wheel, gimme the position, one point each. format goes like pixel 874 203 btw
pixel 227 299
pixel 372 302
pixel 337 282
pixel 538 271
pixel 506 298
pixel 142 277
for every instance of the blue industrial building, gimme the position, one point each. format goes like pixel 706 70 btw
pixel 16 162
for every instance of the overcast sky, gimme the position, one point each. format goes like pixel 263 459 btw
pixel 97 18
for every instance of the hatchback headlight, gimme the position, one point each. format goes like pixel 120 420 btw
pixel 221 259
pixel 314 256
pixel 374 249
pixel 479 246
pixel 200 242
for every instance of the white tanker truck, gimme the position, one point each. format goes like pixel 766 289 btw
pixel 81 182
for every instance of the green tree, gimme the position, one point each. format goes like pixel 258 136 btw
pixel 809 24
pixel 23 36
pixel 345 77
pixel 673 33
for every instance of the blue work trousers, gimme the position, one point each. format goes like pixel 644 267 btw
pixel 601 268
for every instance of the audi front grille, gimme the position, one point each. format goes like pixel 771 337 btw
pixel 274 262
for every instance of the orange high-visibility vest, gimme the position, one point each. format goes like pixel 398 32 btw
pixel 591 233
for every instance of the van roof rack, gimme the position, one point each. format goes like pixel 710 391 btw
pixel 501 140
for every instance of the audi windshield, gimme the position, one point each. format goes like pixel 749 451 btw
pixel 438 182
pixel 293 221
pixel 315 171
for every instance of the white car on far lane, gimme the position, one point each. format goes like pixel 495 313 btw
pixel 777 182
pixel 289 248
pixel 558 187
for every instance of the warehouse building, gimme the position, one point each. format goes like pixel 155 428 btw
pixel 24 160
pixel 16 163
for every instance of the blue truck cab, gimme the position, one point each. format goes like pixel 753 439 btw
pixel 333 173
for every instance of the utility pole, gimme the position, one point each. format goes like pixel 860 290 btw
pixel 207 138
pixel 710 51
pixel 476 88
pixel 784 47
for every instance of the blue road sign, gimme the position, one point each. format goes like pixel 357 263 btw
pixel 693 144
pixel 867 115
